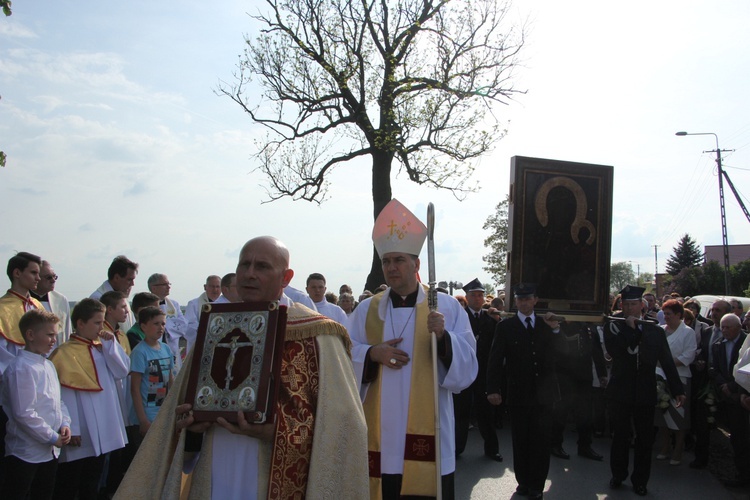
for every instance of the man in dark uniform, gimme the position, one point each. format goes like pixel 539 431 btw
pixel 483 325
pixel 575 377
pixel 636 347
pixel 527 344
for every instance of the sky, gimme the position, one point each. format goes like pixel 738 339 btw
pixel 117 142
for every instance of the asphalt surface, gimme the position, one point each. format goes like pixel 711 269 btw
pixel 478 478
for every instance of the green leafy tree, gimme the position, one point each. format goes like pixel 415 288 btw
pixel 740 278
pixel 698 280
pixel 687 282
pixel 415 82
pixel 620 274
pixel 497 242
pixel 645 278
pixel 489 288
pixel 685 254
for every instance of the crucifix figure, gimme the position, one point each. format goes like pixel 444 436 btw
pixel 233 345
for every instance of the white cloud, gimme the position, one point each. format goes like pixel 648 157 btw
pixel 14 29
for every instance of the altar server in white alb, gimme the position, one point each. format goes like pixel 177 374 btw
pixel 89 366
pixel 391 336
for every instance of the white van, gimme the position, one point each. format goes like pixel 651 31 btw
pixel 707 300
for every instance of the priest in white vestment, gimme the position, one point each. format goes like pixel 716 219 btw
pixel 176 334
pixel 53 301
pixel 120 277
pixel 211 292
pixel 391 352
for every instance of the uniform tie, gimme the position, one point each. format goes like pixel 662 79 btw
pixel 528 324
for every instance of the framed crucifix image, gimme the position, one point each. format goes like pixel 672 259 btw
pixel 237 361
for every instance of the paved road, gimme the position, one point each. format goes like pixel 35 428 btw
pixel 478 478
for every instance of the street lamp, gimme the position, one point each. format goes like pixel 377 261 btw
pixel 724 242
pixel 450 285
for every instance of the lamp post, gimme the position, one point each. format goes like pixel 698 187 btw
pixel 450 285
pixel 724 242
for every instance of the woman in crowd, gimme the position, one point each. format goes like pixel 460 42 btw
pixel 682 344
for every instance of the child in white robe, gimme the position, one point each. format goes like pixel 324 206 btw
pixel 89 366
pixel 38 421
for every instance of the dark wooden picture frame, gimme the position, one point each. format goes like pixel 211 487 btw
pixel 560 233
pixel 237 361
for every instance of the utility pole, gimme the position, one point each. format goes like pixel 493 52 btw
pixel 656 260
pixel 724 240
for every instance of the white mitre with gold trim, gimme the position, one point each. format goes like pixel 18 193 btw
pixel 398 230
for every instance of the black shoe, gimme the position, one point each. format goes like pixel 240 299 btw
pixel 522 490
pixel 640 490
pixel 698 464
pixel 535 495
pixel 739 482
pixel 615 483
pixel 558 452
pixel 494 456
pixel 588 452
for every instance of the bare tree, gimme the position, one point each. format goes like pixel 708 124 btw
pixel 410 80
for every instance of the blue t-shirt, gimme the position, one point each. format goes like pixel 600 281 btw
pixel 155 366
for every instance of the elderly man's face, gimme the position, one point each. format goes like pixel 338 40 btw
pixel 213 288
pixel 48 278
pixel 161 288
pixel 730 326
pixel 262 272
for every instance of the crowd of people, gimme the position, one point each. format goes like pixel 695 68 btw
pixel 91 397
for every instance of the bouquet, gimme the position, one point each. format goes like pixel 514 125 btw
pixel 708 396
pixel 662 394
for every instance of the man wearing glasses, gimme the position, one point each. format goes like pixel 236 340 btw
pixel 53 301
pixel 177 325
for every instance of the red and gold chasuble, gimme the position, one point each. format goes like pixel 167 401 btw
pixel 297 404
pixel 420 470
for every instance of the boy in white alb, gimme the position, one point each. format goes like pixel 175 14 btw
pixel 89 366
pixel 38 421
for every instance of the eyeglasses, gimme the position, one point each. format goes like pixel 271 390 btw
pixel 162 284
pixel 50 277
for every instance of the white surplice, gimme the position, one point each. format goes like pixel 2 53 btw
pixel 59 305
pixel 331 311
pixel 396 384
pixel 177 327
pixel 193 316
pixel 97 416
